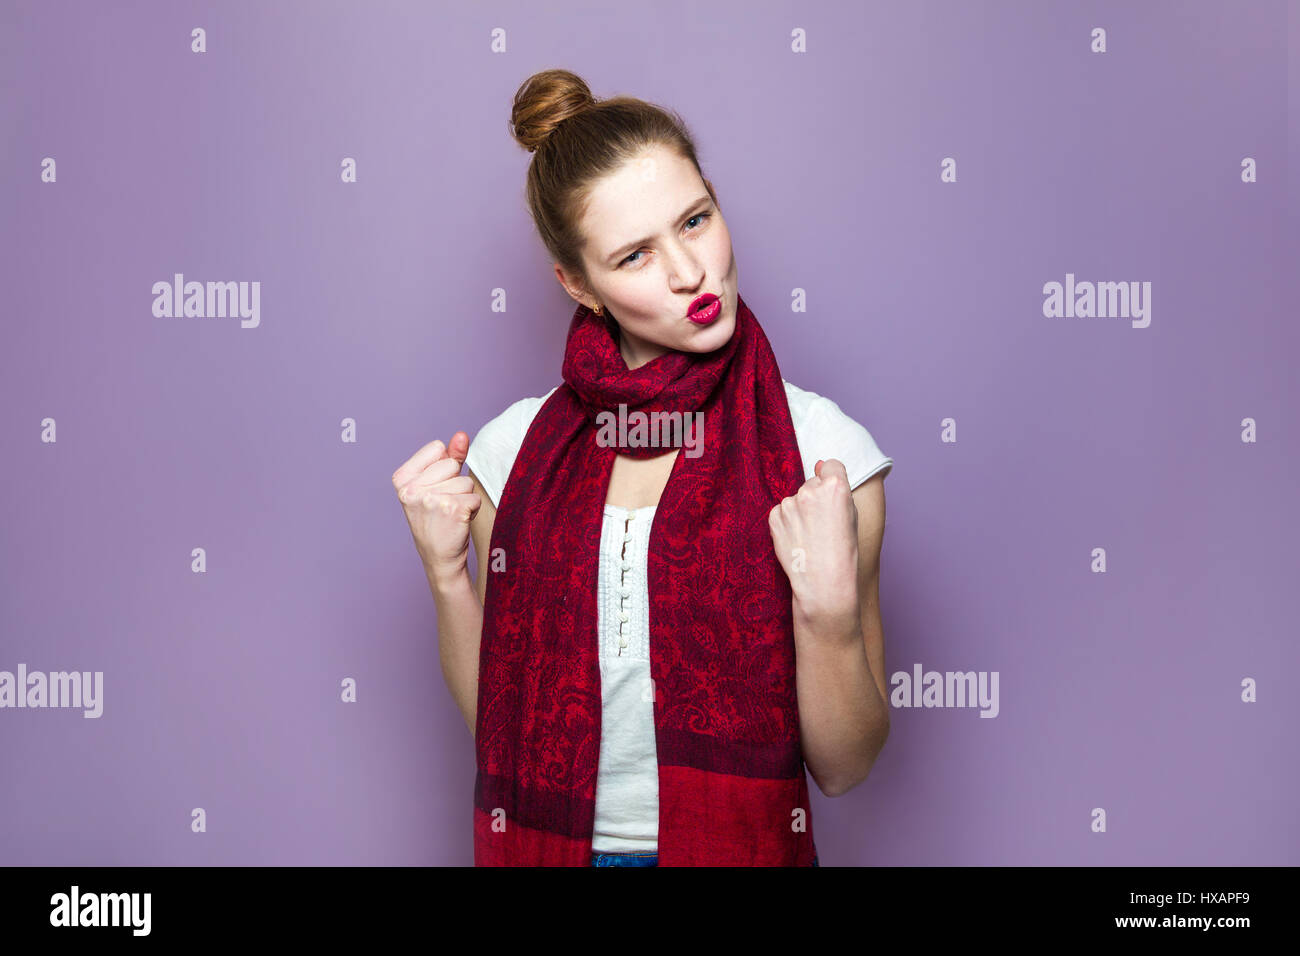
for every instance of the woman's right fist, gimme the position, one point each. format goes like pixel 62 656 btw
pixel 439 503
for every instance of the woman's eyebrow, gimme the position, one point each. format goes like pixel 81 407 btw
pixel 640 242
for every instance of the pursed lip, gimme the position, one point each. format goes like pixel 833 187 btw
pixel 700 303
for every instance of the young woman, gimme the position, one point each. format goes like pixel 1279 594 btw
pixel 659 641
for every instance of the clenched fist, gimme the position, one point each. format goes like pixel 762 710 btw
pixel 815 535
pixel 439 503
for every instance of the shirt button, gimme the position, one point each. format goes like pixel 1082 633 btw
pixel 623 616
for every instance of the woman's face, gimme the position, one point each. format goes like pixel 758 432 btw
pixel 655 242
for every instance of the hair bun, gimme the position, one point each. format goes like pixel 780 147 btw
pixel 546 100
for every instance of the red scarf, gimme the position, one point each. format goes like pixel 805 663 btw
pixel 732 787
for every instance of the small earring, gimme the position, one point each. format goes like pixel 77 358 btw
pixel 598 309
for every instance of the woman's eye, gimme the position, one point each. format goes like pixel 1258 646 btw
pixel 698 215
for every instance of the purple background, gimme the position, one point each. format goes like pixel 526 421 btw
pixel 1118 690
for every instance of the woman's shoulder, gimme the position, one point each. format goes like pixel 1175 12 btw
pixel 823 430
pixel 515 419
pixel 493 449
pixel 821 427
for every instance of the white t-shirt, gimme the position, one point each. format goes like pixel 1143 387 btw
pixel 627 780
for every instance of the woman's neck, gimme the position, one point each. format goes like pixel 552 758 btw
pixel 636 352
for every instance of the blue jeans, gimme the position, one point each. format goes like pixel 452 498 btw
pixel 631 858
pixel 636 858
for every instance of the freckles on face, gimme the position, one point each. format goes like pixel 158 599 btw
pixel 664 316
pixel 657 242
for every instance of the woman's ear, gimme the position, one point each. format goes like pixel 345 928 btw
pixel 573 285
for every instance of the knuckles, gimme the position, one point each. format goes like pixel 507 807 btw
pixel 459 485
pixel 830 490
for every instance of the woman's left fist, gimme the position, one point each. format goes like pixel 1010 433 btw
pixel 815 534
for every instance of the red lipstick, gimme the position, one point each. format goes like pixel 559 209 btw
pixel 705 309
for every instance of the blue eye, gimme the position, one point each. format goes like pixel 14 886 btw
pixel 698 215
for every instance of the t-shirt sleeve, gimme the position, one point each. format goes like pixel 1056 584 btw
pixel 828 432
pixel 492 451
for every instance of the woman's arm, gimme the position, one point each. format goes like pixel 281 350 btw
pixel 460 615
pixel 843 698
pixel 828 540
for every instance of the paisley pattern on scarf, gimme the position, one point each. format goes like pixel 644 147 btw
pixel 732 785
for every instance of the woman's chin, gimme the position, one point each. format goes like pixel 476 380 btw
pixel 713 336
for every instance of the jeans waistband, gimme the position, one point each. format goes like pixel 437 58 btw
pixel 629 858
pixel 638 858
